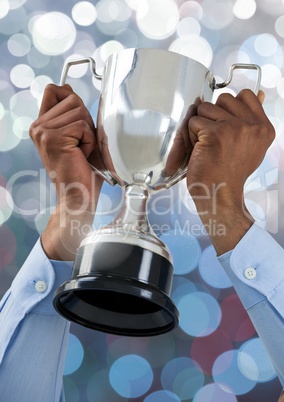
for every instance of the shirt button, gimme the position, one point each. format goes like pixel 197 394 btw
pixel 250 273
pixel 40 286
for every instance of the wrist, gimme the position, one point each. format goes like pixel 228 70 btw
pixel 77 196
pixel 69 224
pixel 64 233
pixel 226 222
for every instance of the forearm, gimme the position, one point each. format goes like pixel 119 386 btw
pixel 69 224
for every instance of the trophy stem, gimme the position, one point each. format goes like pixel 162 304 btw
pixel 133 214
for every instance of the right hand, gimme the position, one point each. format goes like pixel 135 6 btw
pixel 64 135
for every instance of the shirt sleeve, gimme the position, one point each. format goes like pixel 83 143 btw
pixel 256 269
pixel 33 337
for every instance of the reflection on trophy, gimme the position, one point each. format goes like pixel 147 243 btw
pixel 123 272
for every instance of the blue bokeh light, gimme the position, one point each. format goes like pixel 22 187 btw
pixel 254 362
pixel 181 287
pixel 215 393
pixel 74 356
pixel 182 376
pixel 226 371
pixel 200 314
pixel 212 271
pixel 72 393
pixel 165 396
pixel 185 250
pixel 131 376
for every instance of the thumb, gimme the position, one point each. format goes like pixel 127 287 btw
pixel 261 96
pixel 53 94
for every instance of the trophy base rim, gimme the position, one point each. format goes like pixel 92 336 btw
pixel 93 300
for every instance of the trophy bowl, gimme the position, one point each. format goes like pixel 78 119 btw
pixel 122 275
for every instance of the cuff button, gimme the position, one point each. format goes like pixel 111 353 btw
pixel 40 286
pixel 250 273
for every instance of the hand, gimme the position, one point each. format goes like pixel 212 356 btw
pixel 230 140
pixel 64 135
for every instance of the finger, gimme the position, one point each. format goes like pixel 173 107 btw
pixel 198 126
pixel 213 112
pixel 87 142
pixel 177 156
pixel 182 132
pixel 79 134
pixel 235 106
pixel 246 106
pixel 53 94
pixel 67 116
pixel 71 102
pixel 69 109
pixel 253 103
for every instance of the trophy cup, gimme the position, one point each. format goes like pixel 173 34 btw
pixel 122 274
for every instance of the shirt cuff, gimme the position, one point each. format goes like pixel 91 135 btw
pixel 31 291
pixel 257 262
pixel 34 285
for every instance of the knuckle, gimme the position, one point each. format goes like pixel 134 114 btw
pixel 83 125
pixel 74 100
pixel 203 107
pixel 192 121
pixel 39 135
pixel 271 133
pixel 223 99
pixel 34 131
pixel 50 88
pixel 245 94
pixel 263 132
pixel 48 143
pixel 82 112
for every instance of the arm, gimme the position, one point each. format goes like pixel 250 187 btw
pixel 230 140
pixel 33 337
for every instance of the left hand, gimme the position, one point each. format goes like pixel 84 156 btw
pixel 230 139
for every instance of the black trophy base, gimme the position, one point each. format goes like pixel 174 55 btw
pixel 124 291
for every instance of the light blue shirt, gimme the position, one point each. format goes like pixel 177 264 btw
pixel 263 294
pixel 33 337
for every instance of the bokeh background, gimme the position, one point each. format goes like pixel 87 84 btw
pixel 214 355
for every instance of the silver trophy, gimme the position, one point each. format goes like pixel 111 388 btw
pixel 123 272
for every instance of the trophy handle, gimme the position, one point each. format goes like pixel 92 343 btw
pixel 80 61
pixel 106 175
pixel 240 66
